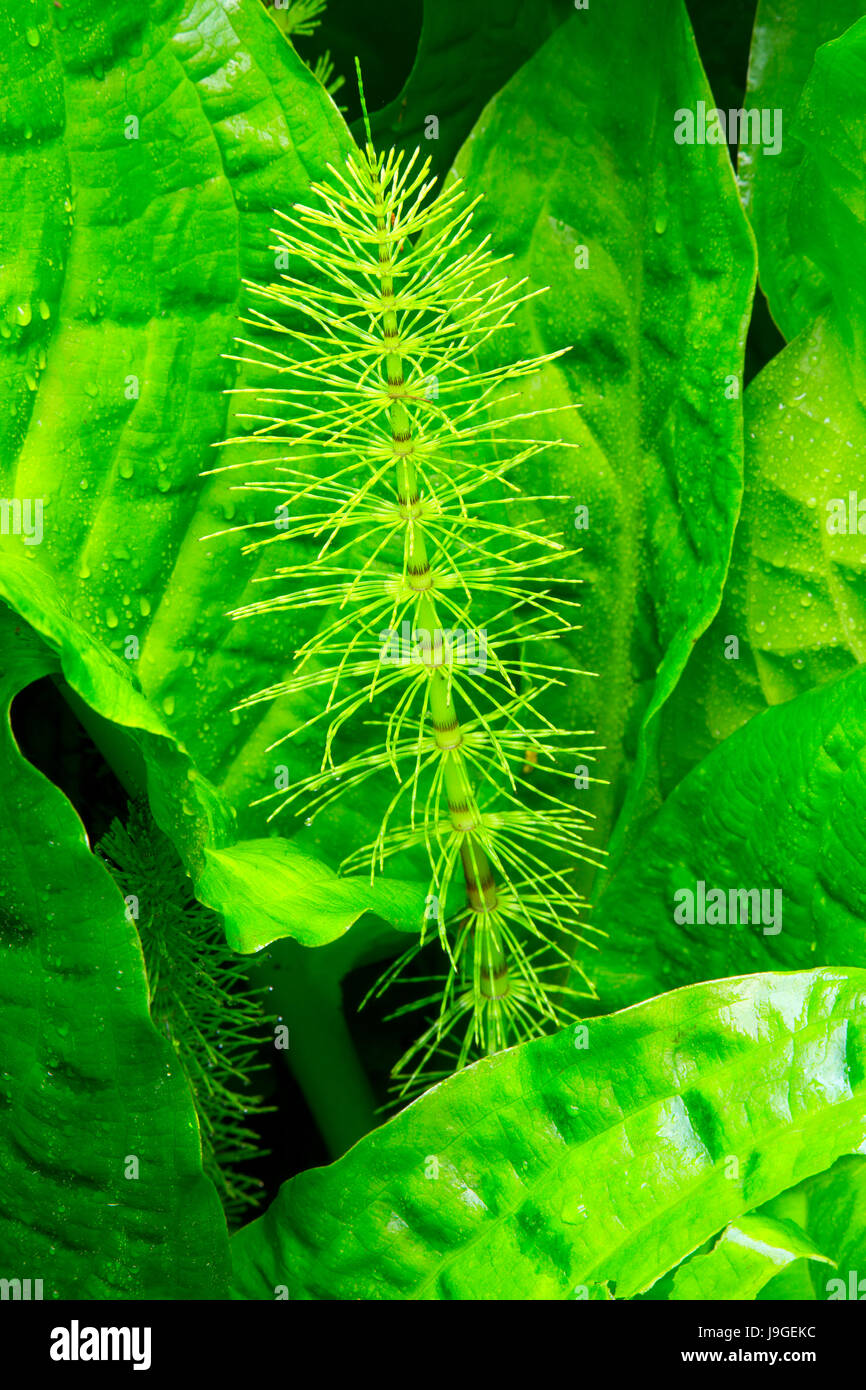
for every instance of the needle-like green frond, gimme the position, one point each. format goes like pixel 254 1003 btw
pixel 399 461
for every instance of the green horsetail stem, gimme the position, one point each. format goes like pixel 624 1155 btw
pixel 396 294
pixel 477 871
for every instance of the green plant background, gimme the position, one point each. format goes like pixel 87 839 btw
pixel 703 1142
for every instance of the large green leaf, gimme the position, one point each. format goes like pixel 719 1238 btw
pixel 146 145
pixel 657 320
pixel 103 1194
pixel 831 1208
pixel 795 601
pixel 785 40
pixel 794 609
pixel 600 1156
pixel 255 880
pixel 779 808
pixel 744 1259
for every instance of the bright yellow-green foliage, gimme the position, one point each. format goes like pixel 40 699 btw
pixel 403 480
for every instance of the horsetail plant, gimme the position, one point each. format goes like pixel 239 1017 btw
pixel 199 998
pixel 394 479
pixel 299 19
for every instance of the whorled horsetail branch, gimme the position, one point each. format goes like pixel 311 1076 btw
pixel 412 522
